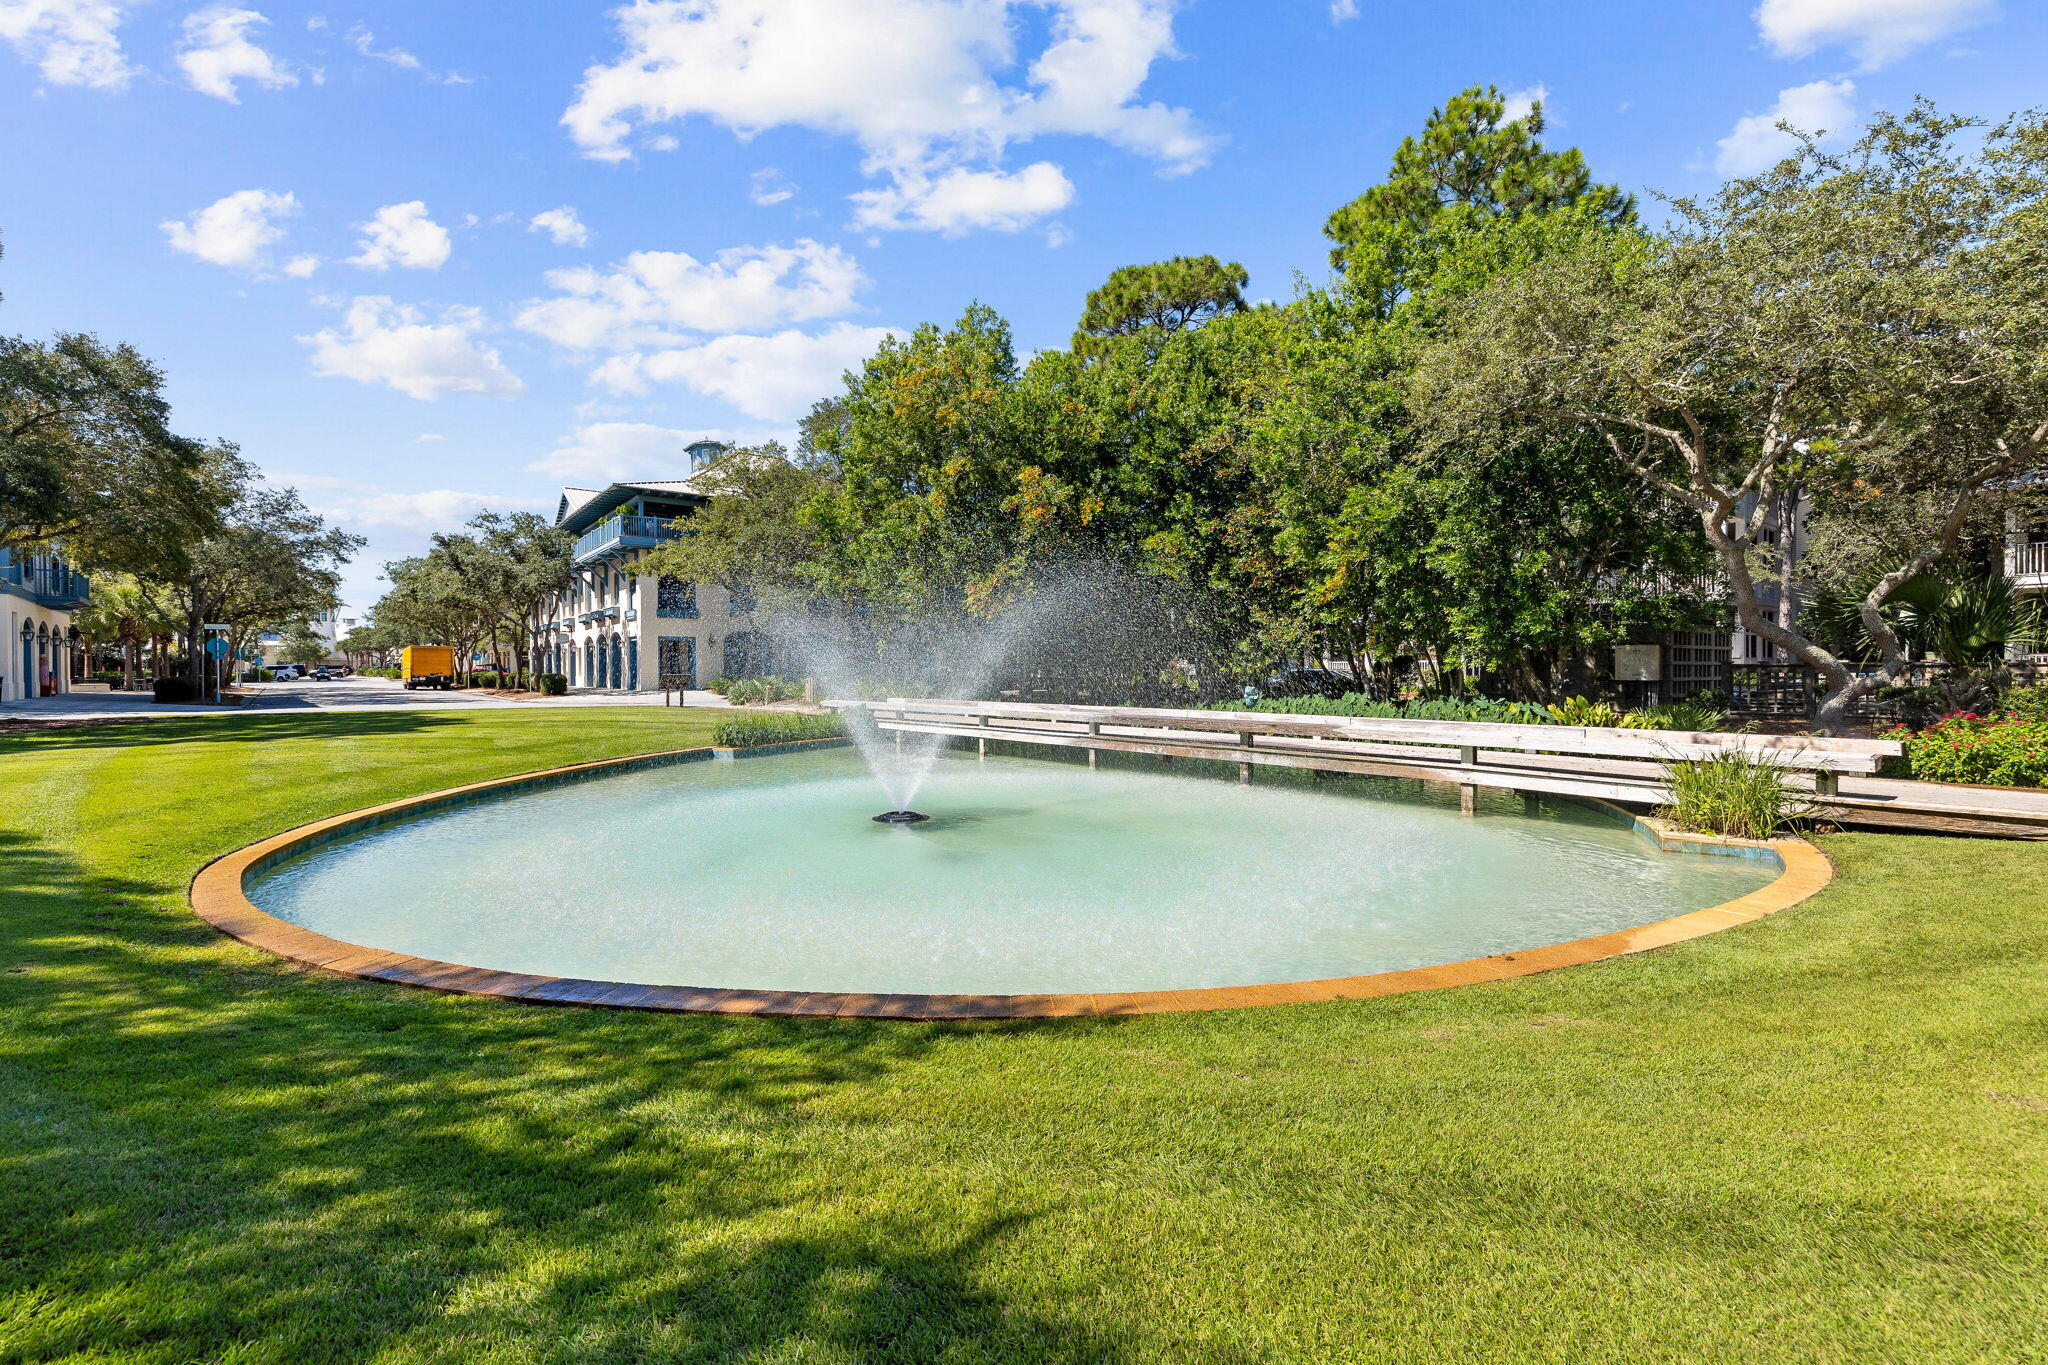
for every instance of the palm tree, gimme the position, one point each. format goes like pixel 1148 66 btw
pixel 127 612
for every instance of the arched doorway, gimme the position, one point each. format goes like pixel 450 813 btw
pixel 618 662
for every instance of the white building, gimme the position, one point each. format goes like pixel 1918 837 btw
pixel 38 593
pixel 618 628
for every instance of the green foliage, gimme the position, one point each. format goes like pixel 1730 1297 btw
pixel 1423 708
pixel 1734 794
pixel 1998 751
pixel 754 691
pixel 780 727
pixel 1693 715
pixel 553 685
pixel 1591 712
pixel 2025 703
pixel 87 457
pixel 1470 153
pixel 302 646
pixel 1155 301
pixel 1865 328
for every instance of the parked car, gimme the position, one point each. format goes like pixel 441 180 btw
pixel 285 673
pixel 322 673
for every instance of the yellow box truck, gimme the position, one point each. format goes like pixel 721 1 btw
pixel 427 666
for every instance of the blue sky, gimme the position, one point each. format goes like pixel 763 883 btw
pixel 420 258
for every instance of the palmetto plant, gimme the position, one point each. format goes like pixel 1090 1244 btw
pixel 1967 621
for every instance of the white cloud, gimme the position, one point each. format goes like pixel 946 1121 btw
pixel 771 378
pixel 365 42
pixel 647 297
pixel 1878 31
pixel 299 267
pixel 381 342
pixel 1758 143
pixel 428 438
pixel 602 452
pixel 562 225
pixel 401 234
pixel 769 186
pixel 960 200
pixel 1342 10
pixel 1522 103
pixel 237 230
pixel 922 104
pixel 70 42
pixel 216 52
pixel 436 509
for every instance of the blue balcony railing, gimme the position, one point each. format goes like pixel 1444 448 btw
pixel 626 533
pixel 45 579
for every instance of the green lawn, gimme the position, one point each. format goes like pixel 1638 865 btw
pixel 1823 1136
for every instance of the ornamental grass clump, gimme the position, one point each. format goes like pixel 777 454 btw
pixel 1734 794
pixel 2005 750
pixel 776 728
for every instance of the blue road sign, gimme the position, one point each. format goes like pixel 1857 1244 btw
pixel 216 646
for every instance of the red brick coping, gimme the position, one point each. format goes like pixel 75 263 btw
pixel 217 898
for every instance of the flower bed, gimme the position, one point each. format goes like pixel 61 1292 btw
pixel 1999 751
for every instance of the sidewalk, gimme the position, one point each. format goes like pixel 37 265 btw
pixel 352 694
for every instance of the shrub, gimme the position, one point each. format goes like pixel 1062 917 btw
pixel 2025 703
pixel 1734 794
pixel 391 673
pixel 718 685
pixel 553 684
pixel 745 691
pixel 1683 715
pixel 1599 714
pixel 1996 751
pixel 1359 704
pixel 173 690
pixel 780 727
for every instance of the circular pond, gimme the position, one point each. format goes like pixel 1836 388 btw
pixel 1031 876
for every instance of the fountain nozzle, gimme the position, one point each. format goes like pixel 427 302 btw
pixel 900 817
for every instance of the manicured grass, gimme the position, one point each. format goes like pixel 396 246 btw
pixel 1823 1136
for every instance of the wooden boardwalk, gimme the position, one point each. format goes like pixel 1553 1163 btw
pixel 1627 766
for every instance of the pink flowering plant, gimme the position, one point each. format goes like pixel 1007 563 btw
pixel 2006 749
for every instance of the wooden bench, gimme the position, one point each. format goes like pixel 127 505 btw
pixel 1617 764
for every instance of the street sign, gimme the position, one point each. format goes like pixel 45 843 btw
pixel 216 646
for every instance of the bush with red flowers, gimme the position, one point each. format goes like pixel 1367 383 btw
pixel 2002 750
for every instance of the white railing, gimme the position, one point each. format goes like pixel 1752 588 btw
pixel 2026 561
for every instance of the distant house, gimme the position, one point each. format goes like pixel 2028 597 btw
pixel 38 593
pixel 619 628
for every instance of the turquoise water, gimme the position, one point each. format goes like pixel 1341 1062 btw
pixel 1032 876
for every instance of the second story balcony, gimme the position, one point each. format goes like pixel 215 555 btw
pixel 2026 564
pixel 44 579
pixel 616 535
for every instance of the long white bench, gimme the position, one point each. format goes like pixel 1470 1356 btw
pixel 1627 765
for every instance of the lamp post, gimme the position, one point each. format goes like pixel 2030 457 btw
pixel 28 670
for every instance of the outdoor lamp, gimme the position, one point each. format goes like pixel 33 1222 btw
pixel 28 631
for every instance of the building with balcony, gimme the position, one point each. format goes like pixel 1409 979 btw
pixel 618 628
pixel 38 593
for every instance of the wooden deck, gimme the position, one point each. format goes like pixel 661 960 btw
pixel 1628 766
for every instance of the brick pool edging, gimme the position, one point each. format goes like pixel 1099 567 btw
pixel 217 897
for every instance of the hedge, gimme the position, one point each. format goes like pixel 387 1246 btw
pixel 775 728
pixel 1995 750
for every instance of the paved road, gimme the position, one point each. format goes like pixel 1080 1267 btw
pixel 348 694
